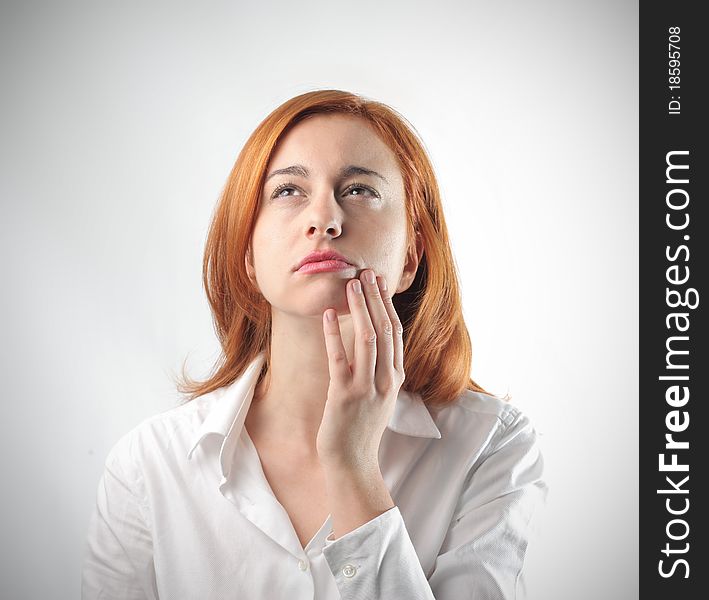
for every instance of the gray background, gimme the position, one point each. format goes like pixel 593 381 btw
pixel 120 122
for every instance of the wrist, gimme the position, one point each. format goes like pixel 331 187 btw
pixel 356 496
pixel 340 468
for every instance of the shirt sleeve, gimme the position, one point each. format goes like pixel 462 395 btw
pixel 118 563
pixel 483 551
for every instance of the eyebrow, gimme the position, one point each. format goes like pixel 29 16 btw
pixel 347 171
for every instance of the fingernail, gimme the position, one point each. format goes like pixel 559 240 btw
pixel 357 286
pixel 330 314
pixel 369 276
pixel 382 283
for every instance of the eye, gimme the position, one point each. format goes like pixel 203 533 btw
pixel 359 186
pixel 356 189
pixel 282 188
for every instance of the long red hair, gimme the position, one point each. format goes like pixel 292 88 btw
pixel 437 348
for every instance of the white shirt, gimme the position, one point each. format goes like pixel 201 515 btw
pixel 184 510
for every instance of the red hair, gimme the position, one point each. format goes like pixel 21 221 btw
pixel 437 348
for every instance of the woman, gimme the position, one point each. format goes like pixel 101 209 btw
pixel 340 448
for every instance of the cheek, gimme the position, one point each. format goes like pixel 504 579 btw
pixel 392 242
pixel 394 248
pixel 262 242
pixel 272 258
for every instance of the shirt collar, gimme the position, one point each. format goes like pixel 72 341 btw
pixel 231 403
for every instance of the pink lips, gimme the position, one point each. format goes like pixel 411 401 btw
pixel 322 260
pixel 324 265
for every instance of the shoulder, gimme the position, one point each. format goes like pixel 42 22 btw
pixel 474 405
pixel 160 434
pixel 479 424
pixel 477 411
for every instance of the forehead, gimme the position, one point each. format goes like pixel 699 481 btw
pixel 329 141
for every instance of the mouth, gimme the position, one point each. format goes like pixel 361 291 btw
pixel 324 266
pixel 324 259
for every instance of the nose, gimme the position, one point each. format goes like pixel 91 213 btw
pixel 324 216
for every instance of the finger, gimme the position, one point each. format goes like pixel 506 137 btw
pixel 396 326
pixel 365 348
pixel 380 319
pixel 336 355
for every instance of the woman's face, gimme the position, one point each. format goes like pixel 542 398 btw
pixel 327 202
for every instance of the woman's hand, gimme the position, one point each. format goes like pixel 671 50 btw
pixel 361 395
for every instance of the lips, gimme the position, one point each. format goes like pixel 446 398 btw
pixel 323 255
pixel 324 266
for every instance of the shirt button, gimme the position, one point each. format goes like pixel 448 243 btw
pixel 302 565
pixel 349 571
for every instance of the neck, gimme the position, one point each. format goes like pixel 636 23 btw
pixel 288 404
